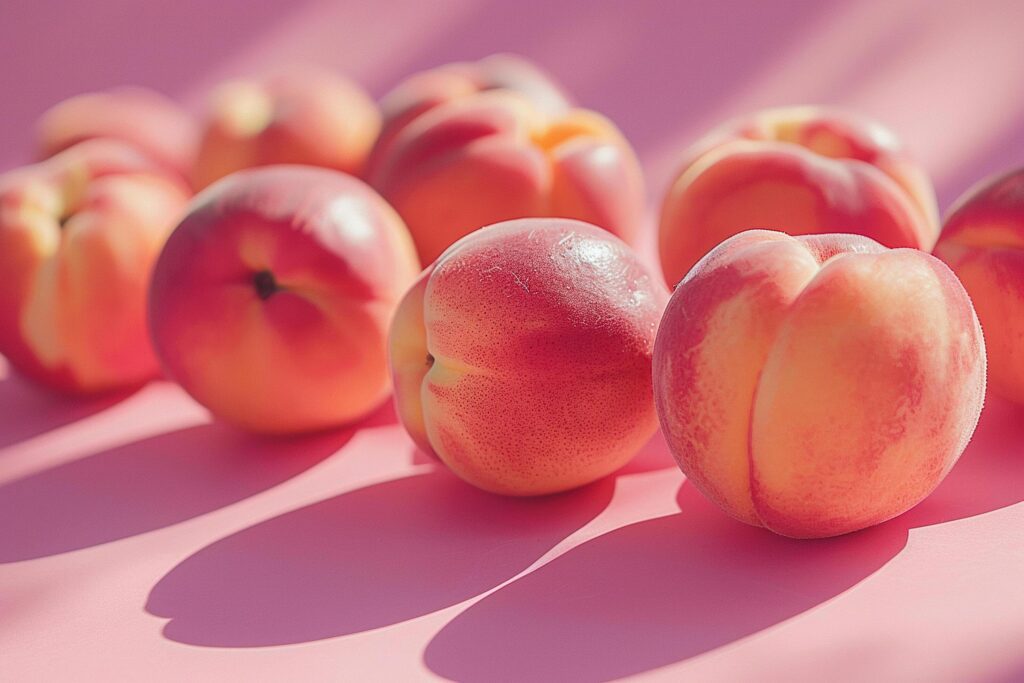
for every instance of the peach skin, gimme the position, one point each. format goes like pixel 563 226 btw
pixel 142 118
pixel 805 170
pixel 423 91
pixel 522 357
pixel 983 242
pixel 820 384
pixel 270 303
pixel 496 156
pixel 310 117
pixel 79 233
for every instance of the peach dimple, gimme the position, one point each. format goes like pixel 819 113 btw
pixel 805 170
pixel 522 357
pixel 817 385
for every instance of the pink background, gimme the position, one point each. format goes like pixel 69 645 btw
pixel 139 541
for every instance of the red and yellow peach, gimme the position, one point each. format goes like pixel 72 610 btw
pixel 522 357
pixel 805 170
pixel 315 118
pixel 983 242
pixel 820 384
pixel 495 156
pixel 423 91
pixel 145 119
pixel 79 234
pixel 270 303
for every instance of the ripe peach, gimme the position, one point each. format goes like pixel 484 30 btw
pixel 271 301
pixel 522 357
pixel 820 384
pixel 79 234
pixel 495 156
pixel 805 170
pixel 983 242
pixel 143 118
pixel 314 117
pixel 423 91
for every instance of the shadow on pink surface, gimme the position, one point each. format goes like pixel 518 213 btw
pixel 1013 673
pixel 651 594
pixel 699 580
pixel 27 411
pixel 151 484
pixel 369 558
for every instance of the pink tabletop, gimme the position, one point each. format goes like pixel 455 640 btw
pixel 140 541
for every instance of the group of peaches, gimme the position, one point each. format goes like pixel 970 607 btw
pixel 815 370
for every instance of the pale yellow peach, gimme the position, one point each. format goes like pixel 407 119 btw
pixel 820 384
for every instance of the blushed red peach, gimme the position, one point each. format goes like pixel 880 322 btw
pixel 983 242
pixel 522 357
pixel 143 118
pixel 495 156
pixel 311 117
pixel 820 384
pixel 805 170
pixel 270 303
pixel 79 234
pixel 423 91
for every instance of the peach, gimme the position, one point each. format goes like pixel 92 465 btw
pixel 817 385
pixel 983 242
pixel 270 303
pixel 805 170
pixel 311 117
pixel 495 156
pixel 423 91
pixel 79 234
pixel 522 357
pixel 140 117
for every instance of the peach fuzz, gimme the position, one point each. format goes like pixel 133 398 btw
pixel 496 156
pixel 805 170
pixel 311 117
pixel 522 357
pixel 423 91
pixel 983 242
pixel 270 303
pixel 143 118
pixel 79 234
pixel 820 384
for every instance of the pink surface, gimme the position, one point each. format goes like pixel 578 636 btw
pixel 141 542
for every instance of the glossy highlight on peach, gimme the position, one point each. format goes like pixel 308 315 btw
pixel 818 385
pixel 270 303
